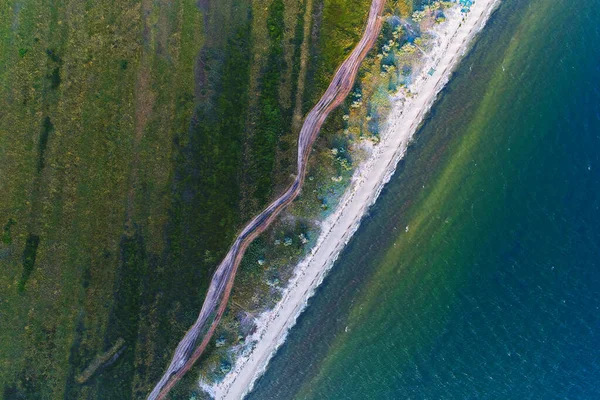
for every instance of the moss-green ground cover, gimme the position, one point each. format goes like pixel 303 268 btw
pixel 131 134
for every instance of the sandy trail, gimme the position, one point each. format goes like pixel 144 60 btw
pixel 454 40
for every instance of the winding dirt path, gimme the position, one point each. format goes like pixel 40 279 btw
pixel 188 351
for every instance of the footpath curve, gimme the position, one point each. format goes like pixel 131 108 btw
pixel 194 342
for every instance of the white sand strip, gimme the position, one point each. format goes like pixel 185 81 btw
pixel 367 183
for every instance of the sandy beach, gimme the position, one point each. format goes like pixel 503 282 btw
pixel 454 39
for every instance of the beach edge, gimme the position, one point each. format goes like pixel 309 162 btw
pixel 340 226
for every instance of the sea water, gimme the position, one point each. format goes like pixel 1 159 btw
pixel 477 273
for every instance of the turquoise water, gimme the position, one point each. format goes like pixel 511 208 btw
pixel 494 291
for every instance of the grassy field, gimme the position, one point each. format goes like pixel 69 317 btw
pixel 136 138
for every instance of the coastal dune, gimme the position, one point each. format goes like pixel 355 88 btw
pixel 405 117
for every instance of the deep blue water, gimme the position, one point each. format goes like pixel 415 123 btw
pixel 494 293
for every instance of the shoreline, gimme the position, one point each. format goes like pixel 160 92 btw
pixel 455 37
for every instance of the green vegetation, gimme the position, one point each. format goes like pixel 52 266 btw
pixel 270 117
pixel 137 138
pixel 29 254
pixel 84 121
pixel 7 235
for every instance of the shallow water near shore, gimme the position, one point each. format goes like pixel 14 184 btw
pixel 476 274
